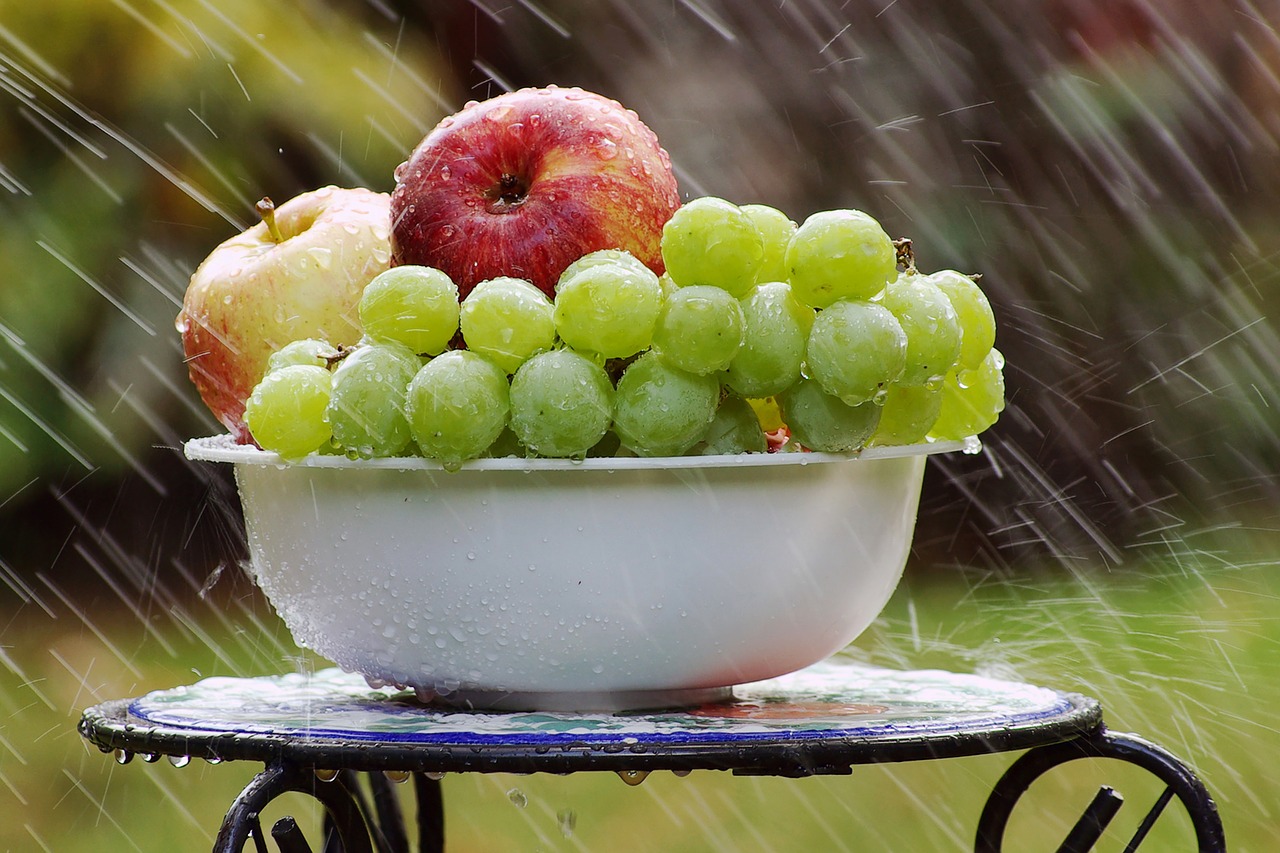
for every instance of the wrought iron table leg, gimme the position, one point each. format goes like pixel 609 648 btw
pixel 430 800
pixel 350 819
pixel 1180 780
pixel 242 820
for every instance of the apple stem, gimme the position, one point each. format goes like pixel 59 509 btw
pixel 267 210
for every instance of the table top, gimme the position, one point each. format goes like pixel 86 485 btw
pixel 822 719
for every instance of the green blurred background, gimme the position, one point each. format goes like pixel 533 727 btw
pixel 1110 167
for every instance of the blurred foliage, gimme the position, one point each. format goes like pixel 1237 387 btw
pixel 133 138
pixel 1110 167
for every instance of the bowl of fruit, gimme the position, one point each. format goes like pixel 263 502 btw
pixel 529 432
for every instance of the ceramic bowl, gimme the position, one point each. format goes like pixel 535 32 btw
pixel 602 584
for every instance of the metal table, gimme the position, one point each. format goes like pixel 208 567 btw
pixel 318 734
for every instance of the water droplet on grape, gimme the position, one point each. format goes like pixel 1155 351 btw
pixel 518 798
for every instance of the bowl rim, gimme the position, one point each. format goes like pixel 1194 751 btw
pixel 223 448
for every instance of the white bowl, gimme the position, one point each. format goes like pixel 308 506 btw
pixel 595 585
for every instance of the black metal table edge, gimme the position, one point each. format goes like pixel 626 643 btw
pixel 109 726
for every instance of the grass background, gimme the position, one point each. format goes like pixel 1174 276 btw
pixel 1187 659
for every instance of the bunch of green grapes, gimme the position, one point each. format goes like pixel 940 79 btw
pixel 760 333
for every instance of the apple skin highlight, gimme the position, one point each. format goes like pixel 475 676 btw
pixel 253 295
pixel 526 183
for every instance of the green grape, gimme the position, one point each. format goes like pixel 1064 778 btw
pixel 776 229
pixel 661 410
pixel 735 429
pixel 617 257
pixel 306 351
pixel 933 332
pixel 668 286
pixel 457 406
pixel 710 241
pixel 907 415
pixel 609 309
pixel 507 320
pixel 973 311
pixel 367 409
pixel 819 421
pixel 855 350
pixel 840 254
pixel 699 329
pixel 775 326
pixel 972 400
pixel 413 305
pixel 286 411
pixel 561 404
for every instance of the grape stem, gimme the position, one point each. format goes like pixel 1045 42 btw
pixel 906 257
pixel 267 211
pixel 342 352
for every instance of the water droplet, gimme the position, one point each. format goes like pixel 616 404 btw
pixel 326 775
pixel 568 820
pixel 516 796
pixel 179 760
pixel 399 777
pixel 633 777
pixel 123 756
pixel 606 149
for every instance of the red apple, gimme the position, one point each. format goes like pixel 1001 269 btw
pixel 526 183
pixel 297 274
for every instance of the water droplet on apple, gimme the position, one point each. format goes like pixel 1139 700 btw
pixel 606 149
pixel 516 129
pixel 399 172
pixel 535 120
pixel 498 113
pixel 323 257
pixel 445 173
pixel 468 105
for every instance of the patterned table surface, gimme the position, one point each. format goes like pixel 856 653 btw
pixel 838 712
